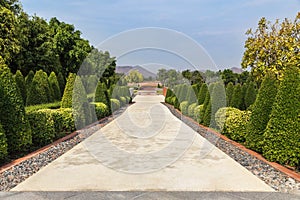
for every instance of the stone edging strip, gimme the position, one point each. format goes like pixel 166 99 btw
pixel 281 169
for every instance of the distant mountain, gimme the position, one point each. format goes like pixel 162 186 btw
pixel 236 70
pixel 126 69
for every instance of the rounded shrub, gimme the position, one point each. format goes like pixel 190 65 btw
pixel 184 107
pixel 232 122
pixel 101 110
pixel 12 113
pixel 115 104
pixel 54 86
pixel 281 138
pixel 261 111
pixel 3 144
pixel 20 81
pixel 39 91
pixel 68 92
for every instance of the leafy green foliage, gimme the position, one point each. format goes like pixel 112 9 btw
pixel 101 110
pixel 232 122
pixel 229 92
pixel 61 83
pixel 9 44
pixel 100 93
pixel 250 95
pixel 12 113
pixel 184 107
pixel 272 47
pixel 28 80
pixel 80 105
pixel 54 86
pixel 281 138
pixel 68 93
pixel 20 81
pixel 3 144
pixel 261 112
pixel 202 93
pixel 48 125
pixel 237 97
pixel 134 76
pixel 228 76
pixel 191 109
pixel 218 100
pixel 39 91
pixel 54 105
pixel 191 96
pixel 197 116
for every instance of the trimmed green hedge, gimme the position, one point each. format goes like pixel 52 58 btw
pixel 229 93
pixel 54 105
pixel 48 125
pixel 202 93
pixel 3 144
pixel 282 135
pixel 237 97
pixel 232 122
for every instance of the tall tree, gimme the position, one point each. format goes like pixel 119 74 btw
pixel 272 47
pixel 9 44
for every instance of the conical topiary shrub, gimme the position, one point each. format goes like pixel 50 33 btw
pixel 39 91
pixel 202 93
pixel 237 97
pixel 250 95
pixel 20 81
pixel 66 101
pixel 229 92
pixel 12 113
pixel 282 139
pixel 54 86
pixel 261 112
pixel 61 83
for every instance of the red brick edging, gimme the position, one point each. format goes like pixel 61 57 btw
pixel 275 165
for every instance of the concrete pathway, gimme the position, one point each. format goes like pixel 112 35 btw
pixel 145 149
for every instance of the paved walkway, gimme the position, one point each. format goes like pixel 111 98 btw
pixel 145 149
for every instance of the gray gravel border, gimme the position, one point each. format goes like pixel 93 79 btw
pixel 271 176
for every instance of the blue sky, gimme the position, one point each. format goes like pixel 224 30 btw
pixel 218 25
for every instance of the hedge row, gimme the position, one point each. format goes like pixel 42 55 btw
pixel 48 125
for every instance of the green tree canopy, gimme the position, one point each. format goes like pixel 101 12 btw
pixel 272 47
